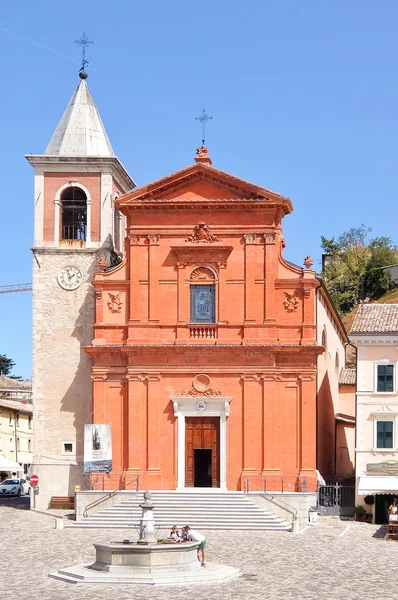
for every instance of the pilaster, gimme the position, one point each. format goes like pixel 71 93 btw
pixel 252 419
pixel 153 424
pixel 137 421
pixel 134 278
pixel 250 298
pixel 38 207
pixel 308 424
pixel 153 278
pixel 269 277
pixel 269 442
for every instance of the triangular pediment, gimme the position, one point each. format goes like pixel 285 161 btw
pixel 385 410
pixel 198 183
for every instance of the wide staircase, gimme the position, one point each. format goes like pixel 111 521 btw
pixel 202 510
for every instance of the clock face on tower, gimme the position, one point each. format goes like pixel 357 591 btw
pixel 70 277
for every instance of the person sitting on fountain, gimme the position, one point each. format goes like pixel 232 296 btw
pixel 195 536
pixel 175 535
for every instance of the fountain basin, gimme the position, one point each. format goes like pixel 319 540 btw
pixel 153 564
pixel 121 557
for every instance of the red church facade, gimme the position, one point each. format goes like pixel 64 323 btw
pixel 205 350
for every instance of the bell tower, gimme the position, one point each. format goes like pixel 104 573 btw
pixel 76 223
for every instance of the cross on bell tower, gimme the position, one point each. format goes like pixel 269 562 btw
pixel 83 42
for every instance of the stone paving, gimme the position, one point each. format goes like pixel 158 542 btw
pixel 335 559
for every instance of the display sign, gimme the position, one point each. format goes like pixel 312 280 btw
pixel 97 448
pixel 389 467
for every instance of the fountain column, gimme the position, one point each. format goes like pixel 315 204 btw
pixel 147 521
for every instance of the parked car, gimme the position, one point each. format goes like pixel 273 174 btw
pixel 14 487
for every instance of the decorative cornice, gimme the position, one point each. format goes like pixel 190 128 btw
pixel 202 254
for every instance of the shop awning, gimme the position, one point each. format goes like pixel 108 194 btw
pixel 9 465
pixel 371 484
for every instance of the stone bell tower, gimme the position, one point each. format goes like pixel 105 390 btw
pixel 77 180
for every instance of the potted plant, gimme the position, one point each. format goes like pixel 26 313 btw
pixel 369 501
pixel 360 513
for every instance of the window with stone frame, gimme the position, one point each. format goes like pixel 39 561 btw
pixel 384 434
pixel 202 296
pixel 385 378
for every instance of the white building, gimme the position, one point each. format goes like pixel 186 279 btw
pixel 375 333
pixel 16 427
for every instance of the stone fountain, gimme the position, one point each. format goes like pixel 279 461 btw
pixel 148 560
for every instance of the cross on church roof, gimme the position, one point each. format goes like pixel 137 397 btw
pixel 83 42
pixel 203 118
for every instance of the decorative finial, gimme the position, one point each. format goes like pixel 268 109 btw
pixel 308 262
pixel 83 41
pixel 202 156
pixel 204 117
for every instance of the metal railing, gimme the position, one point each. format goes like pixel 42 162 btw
pixel 281 483
pixel 290 509
pixel 98 501
pixel 74 232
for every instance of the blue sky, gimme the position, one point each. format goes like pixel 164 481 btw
pixel 303 95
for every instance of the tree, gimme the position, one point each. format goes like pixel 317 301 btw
pixel 353 270
pixel 6 366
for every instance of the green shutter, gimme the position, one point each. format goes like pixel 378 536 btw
pixel 385 378
pixel 384 434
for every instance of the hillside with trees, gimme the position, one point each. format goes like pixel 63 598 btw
pixel 6 367
pixel 353 267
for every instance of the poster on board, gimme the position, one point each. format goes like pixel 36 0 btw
pixel 97 448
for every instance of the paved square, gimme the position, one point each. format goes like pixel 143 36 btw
pixel 334 560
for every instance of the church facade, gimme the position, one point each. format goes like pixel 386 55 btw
pixel 199 344
pixel 205 342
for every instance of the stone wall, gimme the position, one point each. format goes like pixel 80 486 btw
pixel 62 326
pixel 276 503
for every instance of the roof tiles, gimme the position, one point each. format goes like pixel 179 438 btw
pixel 348 377
pixel 376 318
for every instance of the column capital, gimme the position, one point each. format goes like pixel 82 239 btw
pixel 249 238
pixel 134 239
pixel 153 240
pixel 269 238
pixel 99 376
pixel 143 376
pixel 250 377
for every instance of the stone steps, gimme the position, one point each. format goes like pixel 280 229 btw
pixel 200 509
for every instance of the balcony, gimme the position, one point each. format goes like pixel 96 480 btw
pixel 203 332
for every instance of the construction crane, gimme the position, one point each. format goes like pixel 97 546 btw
pixel 19 287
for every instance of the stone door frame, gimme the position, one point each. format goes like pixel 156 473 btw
pixel 201 406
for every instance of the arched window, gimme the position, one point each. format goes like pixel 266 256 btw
pixel 324 339
pixel 74 214
pixel 202 294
